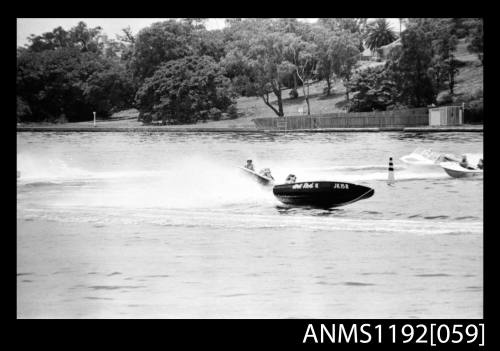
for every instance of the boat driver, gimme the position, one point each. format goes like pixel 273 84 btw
pixel 480 164
pixel 464 163
pixel 290 179
pixel 249 165
pixel 266 172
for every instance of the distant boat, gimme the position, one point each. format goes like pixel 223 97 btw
pixel 325 194
pixel 258 177
pixel 454 170
pixel 427 157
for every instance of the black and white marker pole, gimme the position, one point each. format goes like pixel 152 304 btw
pixel 390 178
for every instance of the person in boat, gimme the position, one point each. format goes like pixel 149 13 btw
pixel 480 164
pixel 290 179
pixel 249 165
pixel 447 158
pixel 266 172
pixel 465 163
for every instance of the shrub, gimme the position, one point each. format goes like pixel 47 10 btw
pixel 23 109
pixel 214 113
pixel 232 112
pixel 293 94
pixel 444 98
pixel 474 112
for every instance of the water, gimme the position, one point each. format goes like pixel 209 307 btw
pixel 164 225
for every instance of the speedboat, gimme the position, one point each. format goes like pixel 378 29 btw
pixel 262 179
pixel 427 157
pixel 454 170
pixel 325 194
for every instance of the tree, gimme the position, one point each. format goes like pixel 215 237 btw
pixel 475 28
pixel 159 43
pixel 80 37
pixel 373 89
pixel 70 84
pixel 110 89
pixel 379 34
pixel 357 26
pixel 444 45
pixel 256 62
pixel 185 90
pixel 209 43
pixel 324 39
pixel 301 55
pixel 85 38
pixel 23 109
pixel 127 36
pixel 58 38
pixel 410 66
pixel 344 53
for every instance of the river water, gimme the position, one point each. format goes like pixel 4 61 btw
pixel 164 225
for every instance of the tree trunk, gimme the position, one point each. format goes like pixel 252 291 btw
pixel 451 84
pixel 265 98
pixel 277 92
pixel 328 86
pixel 306 95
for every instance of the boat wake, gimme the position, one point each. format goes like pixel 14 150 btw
pixel 235 220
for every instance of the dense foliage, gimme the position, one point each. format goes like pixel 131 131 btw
pixel 68 84
pixel 373 89
pixel 180 72
pixel 65 76
pixel 186 90
pixel 380 33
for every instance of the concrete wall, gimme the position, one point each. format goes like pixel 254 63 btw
pixel 381 119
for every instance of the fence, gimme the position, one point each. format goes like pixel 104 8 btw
pixel 381 119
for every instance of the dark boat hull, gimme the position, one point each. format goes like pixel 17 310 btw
pixel 321 194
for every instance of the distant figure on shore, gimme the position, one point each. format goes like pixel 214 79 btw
pixel 290 179
pixel 249 165
pixel 465 163
pixel 480 164
pixel 266 172
pixel 18 174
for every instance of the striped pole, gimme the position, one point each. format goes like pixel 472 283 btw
pixel 390 179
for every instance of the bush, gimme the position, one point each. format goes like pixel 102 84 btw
pixel 23 109
pixel 474 113
pixel 232 112
pixel 61 119
pixel 293 94
pixel 214 113
pixel 444 98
